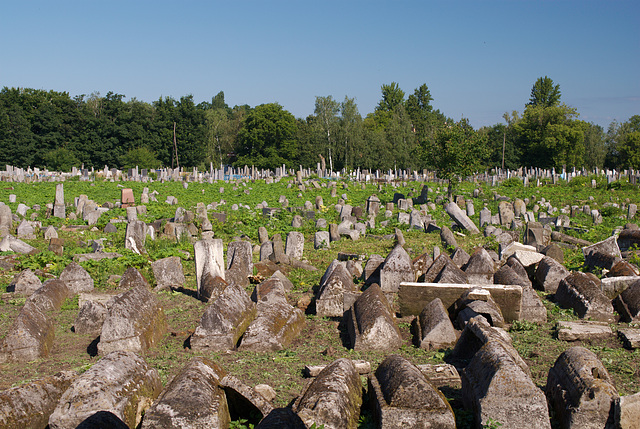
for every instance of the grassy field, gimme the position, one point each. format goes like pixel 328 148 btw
pixel 323 339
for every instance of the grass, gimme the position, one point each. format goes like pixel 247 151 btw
pixel 323 339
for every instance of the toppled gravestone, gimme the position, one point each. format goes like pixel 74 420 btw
pixel 370 322
pixel 395 269
pixel 32 332
pixel 76 278
pixel 533 310
pixel 224 321
pixel 604 254
pixel 11 244
pixel 435 330
pixel 580 390
pixel 276 324
pixel 120 383
pixel 461 218
pixel 403 397
pixel 581 292
pixel 333 398
pixel 24 283
pixel 239 263
pixel 193 399
pixel 209 259
pixel 135 322
pixel 628 303
pixel 29 405
pixel 549 274
pixel 337 284
pixel 168 273
pixel 495 386
pixel 583 330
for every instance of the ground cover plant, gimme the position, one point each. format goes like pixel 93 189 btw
pixel 323 339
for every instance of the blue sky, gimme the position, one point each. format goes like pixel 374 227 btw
pixel 478 58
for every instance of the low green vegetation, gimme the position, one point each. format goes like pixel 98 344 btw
pixel 323 339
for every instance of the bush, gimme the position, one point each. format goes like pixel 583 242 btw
pixel 513 182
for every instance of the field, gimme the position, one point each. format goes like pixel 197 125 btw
pixel 323 339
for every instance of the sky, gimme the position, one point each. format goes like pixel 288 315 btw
pixel 478 58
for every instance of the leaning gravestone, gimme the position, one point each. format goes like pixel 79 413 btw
pixel 395 270
pixel 76 278
pixel 121 383
pixel 25 283
pixel 224 321
pixel 58 205
pixel 277 323
pixel 135 322
pixel 136 236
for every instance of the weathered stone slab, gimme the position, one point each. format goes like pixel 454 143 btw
pixel 626 239
pixel 336 282
pixel 135 236
pixel 29 337
pixel 11 244
pixel 439 375
pixel 461 218
pixel 583 330
pixel 76 278
pixel 29 405
pixel 477 301
pixel 244 400
pixel 281 418
pixel 412 297
pixel 628 303
pixel 435 328
pixel 489 389
pixel 193 399
pixel 24 283
pixel 403 397
pixel 604 254
pixel 276 324
pixel 480 267
pixel 294 247
pixel 224 321
pixel 209 259
pixel 505 211
pixel 239 262
pixel 51 295
pixel 371 272
pixel 90 318
pixel 120 383
pixel 580 292
pixel 132 278
pixel 84 257
pixel 549 274
pixel 396 269
pixel 630 337
pixel 135 322
pixel 460 257
pixel 333 398
pixel 370 322
pixel 627 411
pixel 168 272
pixel 363 368
pixel 580 390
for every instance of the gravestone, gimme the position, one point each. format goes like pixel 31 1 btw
pixel 120 383
pixel 209 261
pixel 435 328
pixel 370 322
pixel 168 273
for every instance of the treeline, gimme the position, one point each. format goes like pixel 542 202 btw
pixel 41 128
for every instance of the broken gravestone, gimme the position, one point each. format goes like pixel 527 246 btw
pixel 168 273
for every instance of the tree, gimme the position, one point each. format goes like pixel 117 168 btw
pixel 457 152
pixel 619 147
pixel 326 111
pixel 267 139
pixel 544 93
pixel 594 145
pixel 220 135
pixel 351 132
pixel 140 157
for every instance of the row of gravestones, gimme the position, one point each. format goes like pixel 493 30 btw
pixel 363 313
pixel 122 391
